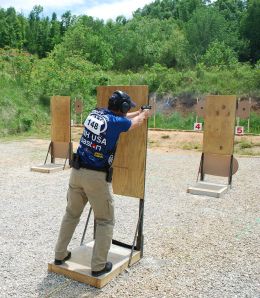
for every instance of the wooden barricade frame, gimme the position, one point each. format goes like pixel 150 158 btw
pixel 128 180
pixel 60 145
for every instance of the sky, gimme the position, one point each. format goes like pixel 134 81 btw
pixel 101 9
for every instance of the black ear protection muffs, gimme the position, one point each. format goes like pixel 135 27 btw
pixel 120 101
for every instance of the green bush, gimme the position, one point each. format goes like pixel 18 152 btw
pixel 254 123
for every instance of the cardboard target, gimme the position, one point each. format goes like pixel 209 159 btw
pixel 243 110
pixel 78 106
pixel 200 108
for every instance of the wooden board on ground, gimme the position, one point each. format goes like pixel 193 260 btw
pixel 219 126
pixel 208 189
pixel 78 267
pixel 60 119
pixel 130 161
pixel 49 168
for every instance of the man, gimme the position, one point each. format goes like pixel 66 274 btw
pixel 89 176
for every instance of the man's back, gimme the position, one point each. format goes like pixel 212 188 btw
pixel 101 132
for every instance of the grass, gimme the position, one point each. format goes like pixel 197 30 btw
pixel 41 132
pixel 191 146
pixel 254 123
pixel 20 113
pixel 172 121
pixel 245 145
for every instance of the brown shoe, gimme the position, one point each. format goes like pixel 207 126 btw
pixel 106 269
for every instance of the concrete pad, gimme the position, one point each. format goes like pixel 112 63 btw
pixel 208 189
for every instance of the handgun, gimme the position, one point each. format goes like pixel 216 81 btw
pixel 146 107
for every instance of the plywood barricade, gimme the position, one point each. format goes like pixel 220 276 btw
pixel 60 145
pixel 129 163
pixel 128 180
pixel 218 143
pixel 218 138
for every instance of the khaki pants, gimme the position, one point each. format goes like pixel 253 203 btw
pixel 87 185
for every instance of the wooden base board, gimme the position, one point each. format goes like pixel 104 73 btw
pixel 78 267
pixel 208 189
pixel 49 168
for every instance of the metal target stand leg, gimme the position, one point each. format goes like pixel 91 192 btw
pixel 47 153
pixel 138 233
pixel 230 171
pixel 201 169
pixel 138 237
pixel 85 228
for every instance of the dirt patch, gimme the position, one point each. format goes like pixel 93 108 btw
pixel 173 140
pixel 169 141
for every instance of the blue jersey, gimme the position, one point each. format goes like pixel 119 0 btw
pixel 98 142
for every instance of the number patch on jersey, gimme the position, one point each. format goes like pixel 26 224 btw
pixel 93 124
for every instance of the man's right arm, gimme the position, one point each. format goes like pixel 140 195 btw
pixel 139 119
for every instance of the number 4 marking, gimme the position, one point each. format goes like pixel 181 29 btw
pixel 197 126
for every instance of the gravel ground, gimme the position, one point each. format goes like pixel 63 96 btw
pixel 195 246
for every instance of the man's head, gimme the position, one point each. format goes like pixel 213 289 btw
pixel 120 102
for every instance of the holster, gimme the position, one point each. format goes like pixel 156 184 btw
pixel 109 175
pixel 75 162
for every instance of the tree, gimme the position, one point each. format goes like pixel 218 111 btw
pixel 185 8
pixel 11 28
pixel 4 39
pixel 165 9
pixel 146 41
pixel 232 10
pixel 85 38
pixel 219 54
pixel 66 21
pixel 33 30
pixel 55 32
pixel 205 26
pixel 251 29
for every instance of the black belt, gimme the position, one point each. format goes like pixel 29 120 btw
pixel 84 166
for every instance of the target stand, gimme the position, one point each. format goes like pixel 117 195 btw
pixel 218 145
